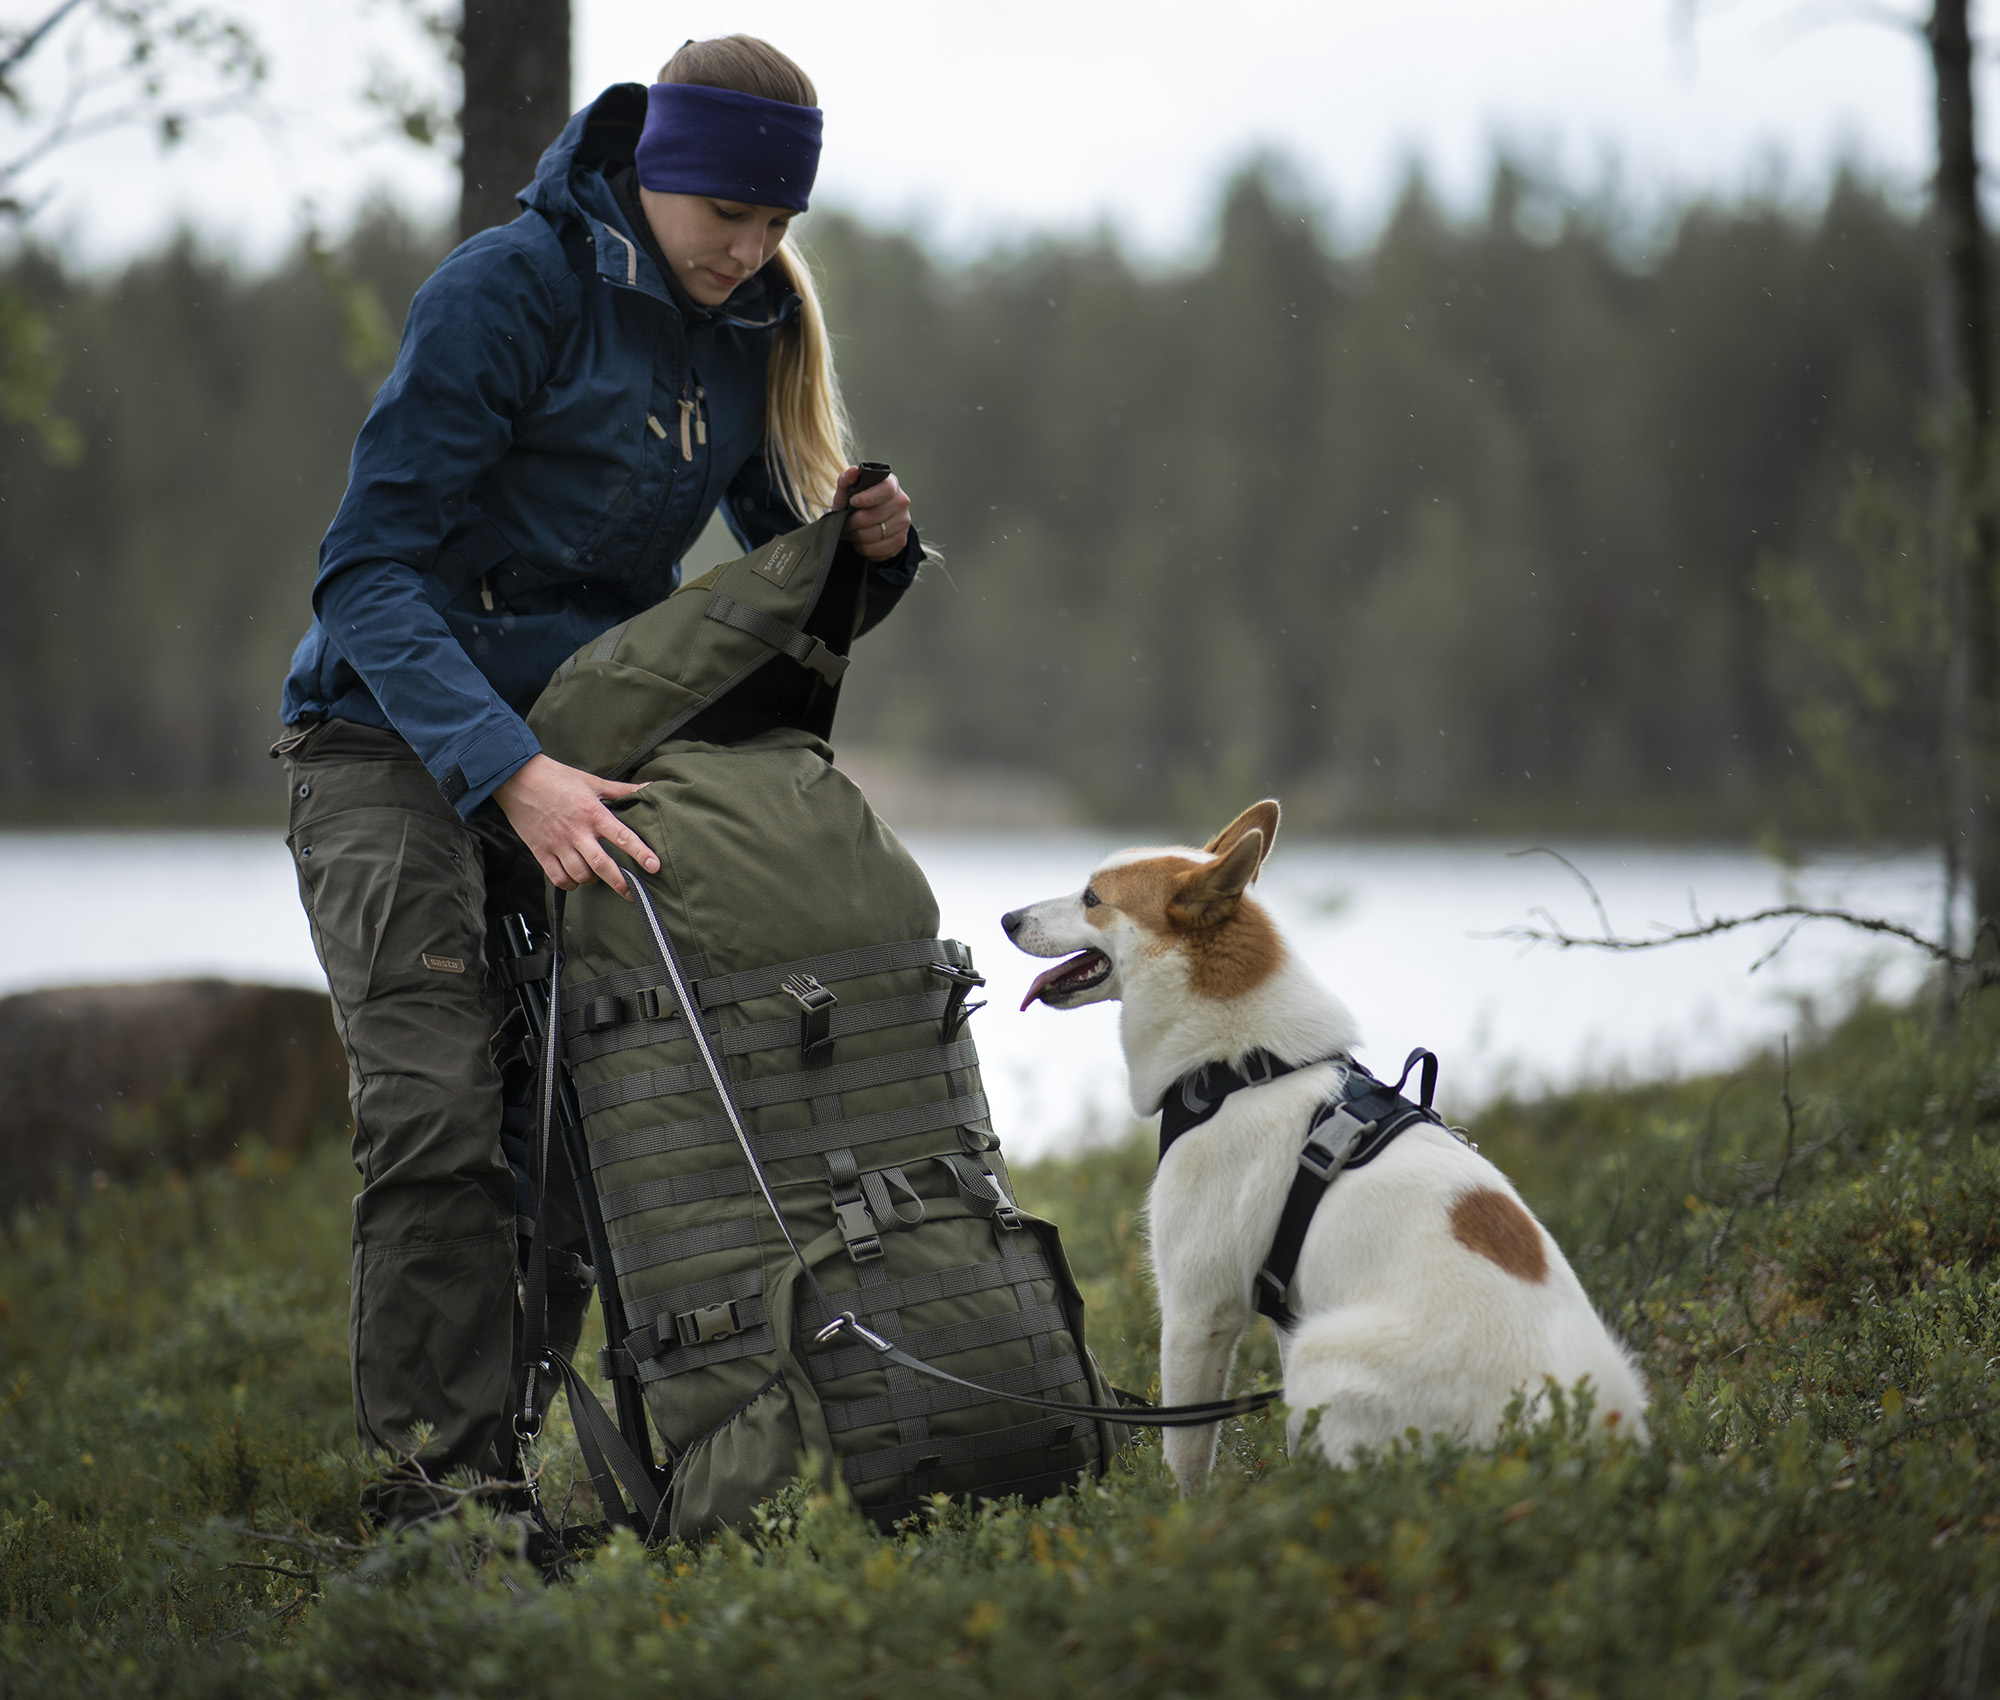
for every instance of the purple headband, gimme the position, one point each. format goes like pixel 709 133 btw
pixel 735 147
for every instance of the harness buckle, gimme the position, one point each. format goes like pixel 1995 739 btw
pixel 1262 1060
pixel 1325 1151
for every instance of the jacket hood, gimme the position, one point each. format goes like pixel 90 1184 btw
pixel 600 139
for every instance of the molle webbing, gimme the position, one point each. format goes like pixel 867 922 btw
pixel 607 1039
pixel 934 1398
pixel 688 1242
pixel 716 990
pixel 798 1088
pixel 946 1451
pixel 928 1288
pixel 662 1137
pixel 941 1342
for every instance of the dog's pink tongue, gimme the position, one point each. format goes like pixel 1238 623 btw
pixel 1049 976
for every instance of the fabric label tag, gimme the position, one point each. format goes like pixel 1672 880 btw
pixel 444 964
pixel 777 566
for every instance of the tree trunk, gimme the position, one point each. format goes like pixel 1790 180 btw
pixel 1971 532
pixel 516 58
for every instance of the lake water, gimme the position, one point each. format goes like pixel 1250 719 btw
pixel 1394 928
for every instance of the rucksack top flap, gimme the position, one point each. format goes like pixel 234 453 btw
pixel 623 693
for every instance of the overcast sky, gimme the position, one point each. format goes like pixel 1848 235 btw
pixel 978 123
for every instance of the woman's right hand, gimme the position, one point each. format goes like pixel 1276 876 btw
pixel 559 814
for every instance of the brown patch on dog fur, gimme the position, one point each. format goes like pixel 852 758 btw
pixel 1496 1228
pixel 1226 958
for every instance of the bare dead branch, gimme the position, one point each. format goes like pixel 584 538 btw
pixel 1582 879
pixel 1791 1125
pixel 34 38
pixel 129 65
pixel 1700 929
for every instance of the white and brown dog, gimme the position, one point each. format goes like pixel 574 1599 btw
pixel 1426 1294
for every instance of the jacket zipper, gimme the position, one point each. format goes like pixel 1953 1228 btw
pixel 694 413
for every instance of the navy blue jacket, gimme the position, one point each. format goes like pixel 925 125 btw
pixel 520 483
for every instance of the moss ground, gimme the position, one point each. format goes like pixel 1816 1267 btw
pixel 1808 1272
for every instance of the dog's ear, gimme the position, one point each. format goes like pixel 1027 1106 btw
pixel 1259 817
pixel 1211 893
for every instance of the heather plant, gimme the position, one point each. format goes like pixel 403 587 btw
pixel 1803 1252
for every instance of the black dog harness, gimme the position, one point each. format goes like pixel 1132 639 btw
pixel 1352 1130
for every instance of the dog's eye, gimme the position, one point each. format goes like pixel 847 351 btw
pixel 1090 898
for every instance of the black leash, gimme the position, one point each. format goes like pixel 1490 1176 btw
pixel 845 1321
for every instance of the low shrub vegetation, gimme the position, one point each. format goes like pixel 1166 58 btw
pixel 1803 1254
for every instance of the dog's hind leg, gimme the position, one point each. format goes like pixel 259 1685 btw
pixel 1194 1367
pixel 1351 1367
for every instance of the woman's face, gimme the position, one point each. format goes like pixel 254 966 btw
pixel 713 245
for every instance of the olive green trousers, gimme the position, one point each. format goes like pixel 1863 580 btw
pixel 403 898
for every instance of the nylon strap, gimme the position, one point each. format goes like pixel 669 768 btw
pixel 659 1138
pixel 610 1038
pixel 844 1415
pixel 720 989
pixel 1194 1098
pixel 609 1460
pixel 1342 1136
pixel 715 990
pixel 951 1449
pixel 801 1086
pixel 689 1242
pixel 807 651
pixel 936 1284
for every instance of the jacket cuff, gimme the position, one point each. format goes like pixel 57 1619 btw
pixel 486 761
pixel 886 581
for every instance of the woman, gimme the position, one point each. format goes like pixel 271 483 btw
pixel 576 393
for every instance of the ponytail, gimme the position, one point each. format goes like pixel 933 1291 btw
pixel 808 441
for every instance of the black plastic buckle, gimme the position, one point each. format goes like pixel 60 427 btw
pixel 857 1229
pixel 956 1010
pixel 1322 1158
pixel 710 1322
pixel 816 1006
pixel 568 1271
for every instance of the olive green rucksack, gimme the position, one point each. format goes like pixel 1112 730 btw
pixel 810 939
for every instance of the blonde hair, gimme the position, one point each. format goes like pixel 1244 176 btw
pixel 807 437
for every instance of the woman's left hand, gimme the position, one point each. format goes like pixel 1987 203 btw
pixel 878 519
